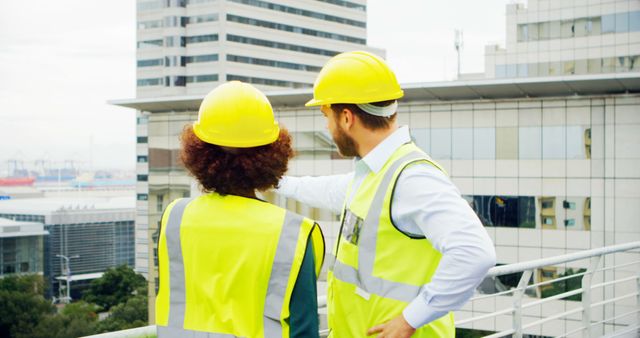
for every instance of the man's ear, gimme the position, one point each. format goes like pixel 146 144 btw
pixel 347 118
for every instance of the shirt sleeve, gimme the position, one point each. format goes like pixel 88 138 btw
pixel 427 203
pixel 324 192
pixel 303 307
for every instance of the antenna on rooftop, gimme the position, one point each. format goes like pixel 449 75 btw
pixel 459 44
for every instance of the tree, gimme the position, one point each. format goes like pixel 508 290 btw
pixel 565 285
pixel 115 286
pixel 127 315
pixel 75 320
pixel 22 305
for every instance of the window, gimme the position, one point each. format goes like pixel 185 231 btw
pixel 201 38
pixel 203 18
pixel 622 22
pixel 202 78
pixel 501 71
pixel 507 143
pixel 293 29
pixel 142 197
pixel 347 4
pixel 160 203
pixel 522 70
pixel 523 33
pixel 149 82
pixel 149 43
pixel 279 45
pixel 150 63
pixel 201 58
pixel 569 222
pixel 594 66
pixel 512 70
pixel 272 63
pixel 609 65
pixel 143 178
pixel 594 26
pixel 529 143
pixel 608 23
pixel 580 66
pixel 269 82
pixel 484 143
pixel 142 159
pixel 555 31
pixel 462 147
pixel 554 142
pixel 302 12
pixel 569 67
pixel 581 27
pixel 567 29
pixel 543 30
pixel 142 139
pixel 441 143
pixel 569 205
pixel 532 69
pixel 634 21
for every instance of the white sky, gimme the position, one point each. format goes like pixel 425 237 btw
pixel 60 61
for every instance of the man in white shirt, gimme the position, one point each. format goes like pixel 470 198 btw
pixel 410 249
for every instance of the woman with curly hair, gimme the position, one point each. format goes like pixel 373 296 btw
pixel 229 263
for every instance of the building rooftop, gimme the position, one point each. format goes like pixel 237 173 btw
pixel 11 228
pixel 47 205
pixel 579 85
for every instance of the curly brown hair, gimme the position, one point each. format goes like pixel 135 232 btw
pixel 235 171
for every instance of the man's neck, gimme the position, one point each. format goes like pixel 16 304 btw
pixel 367 139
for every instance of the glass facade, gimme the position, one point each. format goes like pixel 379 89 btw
pixel 21 255
pixel 618 64
pixel 293 29
pixel 588 26
pixel 279 45
pixel 301 12
pixel 99 246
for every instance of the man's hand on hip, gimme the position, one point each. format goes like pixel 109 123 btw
pixel 395 328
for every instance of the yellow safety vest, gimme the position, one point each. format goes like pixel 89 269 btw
pixel 228 265
pixel 372 277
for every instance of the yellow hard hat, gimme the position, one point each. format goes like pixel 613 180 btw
pixel 236 114
pixel 355 77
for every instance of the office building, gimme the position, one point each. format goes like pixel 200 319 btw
pixel 21 247
pixel 185 48
pixel 549 163
pixel 561 38
pixel 95 233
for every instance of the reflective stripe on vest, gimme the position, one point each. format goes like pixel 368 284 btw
pixel 363 277
pixel 277 286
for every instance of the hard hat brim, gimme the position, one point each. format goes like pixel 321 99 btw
pixel 313 103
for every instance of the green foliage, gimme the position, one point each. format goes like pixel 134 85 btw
pixel 565 285
pixel 22 305
pixel 75 320
pixel 24 313
pixel 127 315
pixel 115 286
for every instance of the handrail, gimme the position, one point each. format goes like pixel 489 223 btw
pixel 527 269
pixel 538 263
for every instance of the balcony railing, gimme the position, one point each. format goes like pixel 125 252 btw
pixel 616 310
pixel 609 305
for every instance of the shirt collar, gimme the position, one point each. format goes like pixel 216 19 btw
pixel 378 156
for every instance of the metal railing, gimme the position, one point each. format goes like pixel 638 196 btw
pixel 520 302
pixel 587 327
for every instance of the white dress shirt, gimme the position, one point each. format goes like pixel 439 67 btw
pixel 425 203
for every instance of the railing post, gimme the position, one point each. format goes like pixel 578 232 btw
pixel 517 303
pixel 586 297
pixel 638 299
